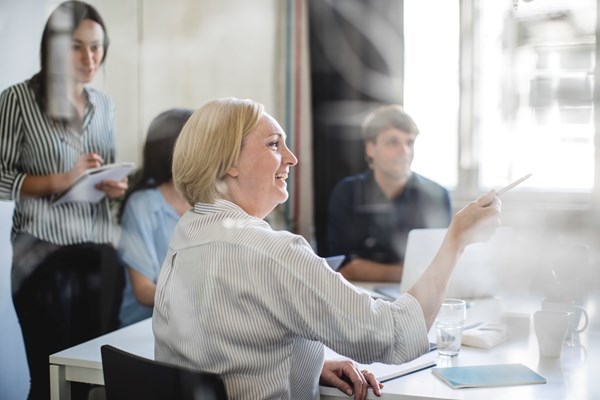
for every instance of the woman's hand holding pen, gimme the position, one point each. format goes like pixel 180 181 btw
pixel 45 185
pixel 85 162
pixel 112 189
pixel 476 222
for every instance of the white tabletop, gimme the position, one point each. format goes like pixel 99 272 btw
pixel 83 363
pixel 568 377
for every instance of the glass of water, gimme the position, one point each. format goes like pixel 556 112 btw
pixel 449 325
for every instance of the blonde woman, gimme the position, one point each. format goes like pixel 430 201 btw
pixel 257 306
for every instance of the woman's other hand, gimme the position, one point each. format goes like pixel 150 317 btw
pixel 345 375
pixel 113 189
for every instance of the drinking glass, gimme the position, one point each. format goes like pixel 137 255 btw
pixel 449 325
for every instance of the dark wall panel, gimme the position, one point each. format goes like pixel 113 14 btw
pixel 356 52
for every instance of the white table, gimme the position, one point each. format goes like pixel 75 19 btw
pixel 83 363
pixel 569 377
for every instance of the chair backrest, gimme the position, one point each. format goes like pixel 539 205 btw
pixel 78 289
pixel 128 376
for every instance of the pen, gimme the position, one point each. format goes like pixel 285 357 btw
pixel 512 185
pixel 404 373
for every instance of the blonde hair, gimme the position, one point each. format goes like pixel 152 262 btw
pixel 209 145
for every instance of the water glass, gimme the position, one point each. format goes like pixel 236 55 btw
pixel 449 325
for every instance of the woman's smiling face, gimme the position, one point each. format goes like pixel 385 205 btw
pixel 87 50
pixel 257 183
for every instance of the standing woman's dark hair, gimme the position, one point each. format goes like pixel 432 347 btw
pixel 158 151
pixel 50 83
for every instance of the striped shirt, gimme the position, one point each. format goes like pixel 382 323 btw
pixel 236 298
pixel 32 143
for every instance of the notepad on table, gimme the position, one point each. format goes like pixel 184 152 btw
pixel 488 375
pixel 84 187
pixel 387 372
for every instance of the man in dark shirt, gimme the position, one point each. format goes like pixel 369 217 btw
pixel 370 214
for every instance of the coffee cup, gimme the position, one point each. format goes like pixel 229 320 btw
pixel 551 328
pixel 578 316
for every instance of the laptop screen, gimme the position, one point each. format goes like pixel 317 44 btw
pixel 335 261
pixel 477 273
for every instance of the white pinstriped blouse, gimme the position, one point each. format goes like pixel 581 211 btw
pixel 31 143
pixel 255 305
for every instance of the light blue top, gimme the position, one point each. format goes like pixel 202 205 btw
pixel 147 224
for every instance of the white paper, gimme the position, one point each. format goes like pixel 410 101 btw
pixel 84 187
pixel 386 372
pixel 485 336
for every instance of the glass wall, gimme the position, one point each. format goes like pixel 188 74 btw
pixel 526 75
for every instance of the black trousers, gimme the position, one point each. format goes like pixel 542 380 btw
pixel 72 295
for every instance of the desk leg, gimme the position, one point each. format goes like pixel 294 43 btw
pixel 60 388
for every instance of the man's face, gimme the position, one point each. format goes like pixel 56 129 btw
pixel 392 152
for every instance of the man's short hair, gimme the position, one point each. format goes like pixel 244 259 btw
pixel 386 117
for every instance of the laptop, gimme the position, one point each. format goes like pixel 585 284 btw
pixel 335 262
pixel 477 273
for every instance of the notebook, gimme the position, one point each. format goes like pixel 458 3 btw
pixel 84 187
pixel 488 375
pixel 388 372
pixel 477 273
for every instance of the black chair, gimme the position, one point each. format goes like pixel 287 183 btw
pixel 128 376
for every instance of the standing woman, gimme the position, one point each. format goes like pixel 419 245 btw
pixel 52 128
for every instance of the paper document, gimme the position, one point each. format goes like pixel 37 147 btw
pixel 84 187
pixel 387 372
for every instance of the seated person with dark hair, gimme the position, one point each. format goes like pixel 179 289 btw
pixel 149 214
pixel 370 214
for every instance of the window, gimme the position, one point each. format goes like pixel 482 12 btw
pixel 525 102
pixel 431 85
